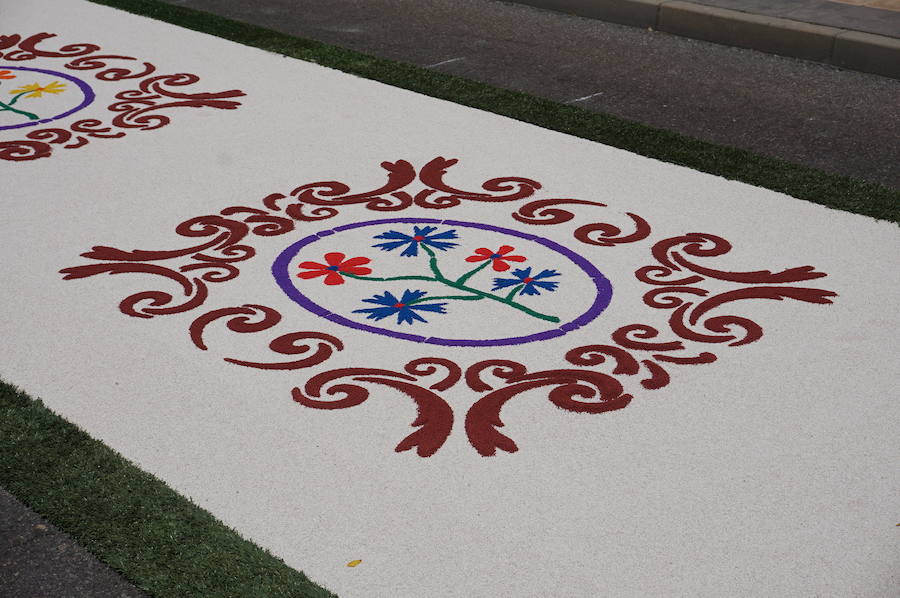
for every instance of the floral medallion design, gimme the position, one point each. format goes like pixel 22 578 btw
pixel 436 278
pixel 31 96
pixel 59 95
pixel 423 279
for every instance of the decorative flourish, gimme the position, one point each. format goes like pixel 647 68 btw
pixel 595 392
pixel 285 344
pixel 213 260
pixel 99 61
pixel 677 277
pixel 441 195
pixel 318 201
pixel 676 269
pixel 26 49
pixel 6 74
pixel 604 234
pixel 497 258
pixel 140 108
pixel 434 415
pixel 422 235
pixel 334 267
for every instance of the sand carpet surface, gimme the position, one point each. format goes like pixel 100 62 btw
pixel 483 358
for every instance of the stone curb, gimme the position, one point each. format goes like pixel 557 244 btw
pixel 845 48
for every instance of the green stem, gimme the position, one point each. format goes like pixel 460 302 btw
pixel 389 278
pixel 439 277
pixel 462 279
pixel 432 261
pixel 9 107
pixel 460 297
pixel 16 99
pixel 503 300
pixel 515 290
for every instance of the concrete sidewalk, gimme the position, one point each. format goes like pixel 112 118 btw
pixel 860 38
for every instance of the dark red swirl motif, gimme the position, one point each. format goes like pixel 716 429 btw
pixel 602 373
pixel 321 200
pixel 570 388
pixel 14 47
pixel 345 388
pixel 547 211
pixel 141 108
pixel 213 260
pixel 98 61
pixel 285 344
pixel 440 194
pixel 677 275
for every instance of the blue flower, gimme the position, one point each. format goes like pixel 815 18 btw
pixel 390 305
pixel 533 284
pixel 421 235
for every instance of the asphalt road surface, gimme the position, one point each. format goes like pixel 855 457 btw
pixel 839 121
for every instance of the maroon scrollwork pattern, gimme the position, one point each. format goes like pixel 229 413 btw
pixel 578 390
pixel 313 347
pixel 677 275
pixel 26 49
pixel 605 234
pixel 211 261
pixel 98 61
pixel 434 416
pixel 319 201
pixel 143 108
pixel 441 195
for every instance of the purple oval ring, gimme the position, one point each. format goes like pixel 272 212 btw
pixel 604 288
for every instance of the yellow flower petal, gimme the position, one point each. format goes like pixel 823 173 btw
pixel 37 90
pixel 31 87
pixel 55 87
pixel 354 563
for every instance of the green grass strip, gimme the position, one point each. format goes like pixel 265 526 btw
pixel 834 191
pixel 129 519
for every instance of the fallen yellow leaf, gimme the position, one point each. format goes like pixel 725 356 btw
pixel 354 563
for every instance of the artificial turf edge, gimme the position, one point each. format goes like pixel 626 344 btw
pixel 802 182
pixel 155 538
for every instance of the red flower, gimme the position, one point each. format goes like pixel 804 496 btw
pixel 498 258
pixel 7 75
pixel 335 265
